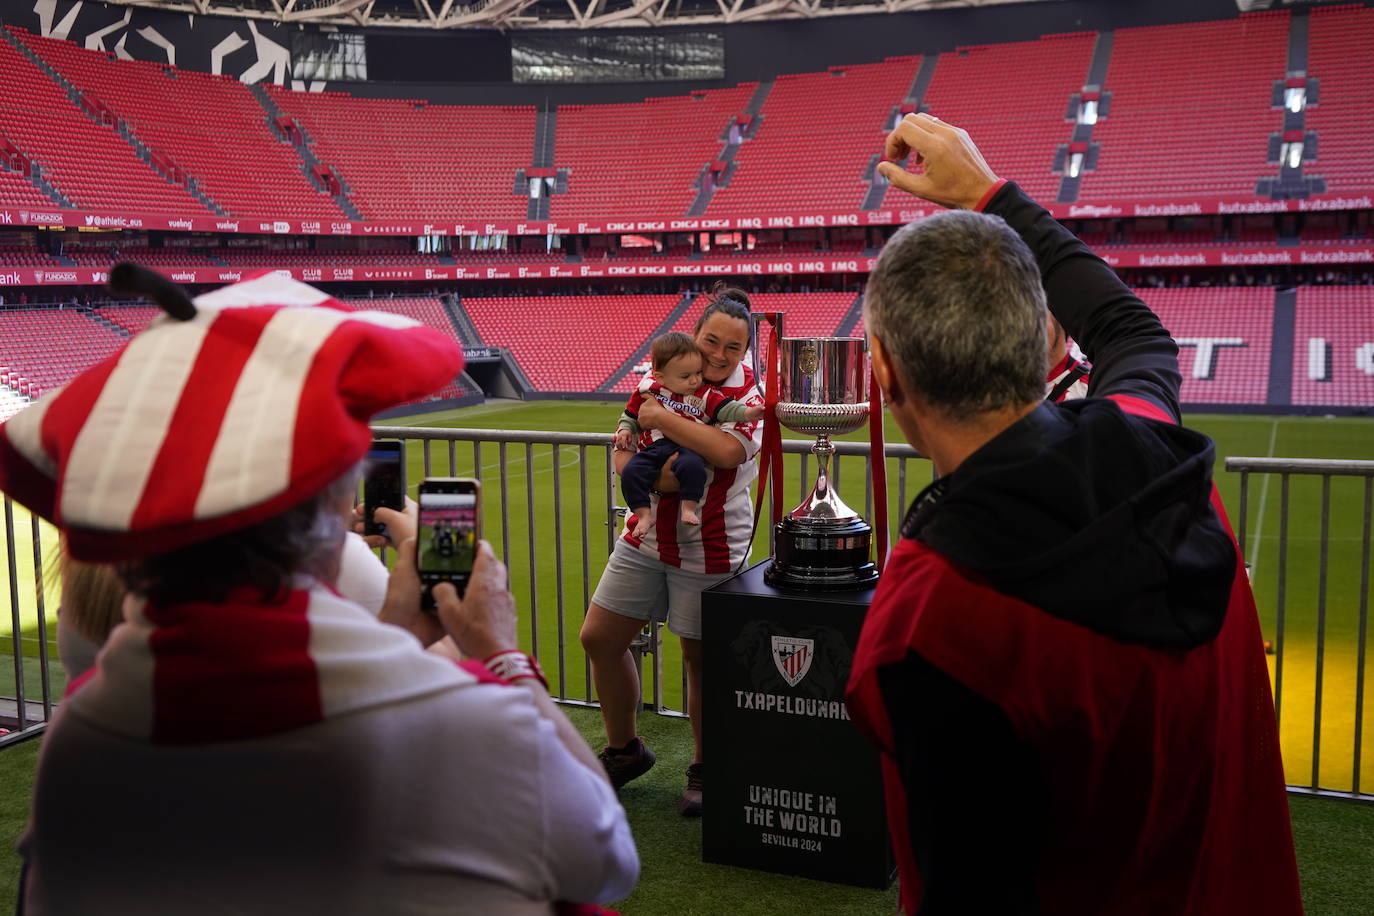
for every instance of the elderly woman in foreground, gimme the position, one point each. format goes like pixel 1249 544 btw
pixel 249 740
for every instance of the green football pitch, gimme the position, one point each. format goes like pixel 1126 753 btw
pixel 555 541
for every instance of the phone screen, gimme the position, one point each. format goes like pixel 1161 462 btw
pixel 384 483
pixel 448 533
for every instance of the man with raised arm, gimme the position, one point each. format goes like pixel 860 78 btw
pixel 1062 666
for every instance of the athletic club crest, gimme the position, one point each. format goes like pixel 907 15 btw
pixel 793 657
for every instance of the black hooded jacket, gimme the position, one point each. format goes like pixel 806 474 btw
pixel 1095 516
pixel 1084 511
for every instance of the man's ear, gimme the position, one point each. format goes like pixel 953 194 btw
pixel 884 371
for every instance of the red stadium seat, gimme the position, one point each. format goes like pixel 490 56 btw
pixel 1339 57
pixel 1190 112
pixel 1333 346
pixel 846 111
pixel 87 162
pixel 47 347
pixel 1012 98
pixel 619 164
pixel 404 159
pixel 569 343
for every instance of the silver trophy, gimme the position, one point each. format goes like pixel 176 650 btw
pixel 822 391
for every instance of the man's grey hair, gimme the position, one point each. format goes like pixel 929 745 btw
pixel 957 302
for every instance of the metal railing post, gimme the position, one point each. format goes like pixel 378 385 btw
pixel 1328 613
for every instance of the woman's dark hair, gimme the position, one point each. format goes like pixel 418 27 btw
pixel 727 300
pixel 265 557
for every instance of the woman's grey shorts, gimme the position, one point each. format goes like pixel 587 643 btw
pixel 643 588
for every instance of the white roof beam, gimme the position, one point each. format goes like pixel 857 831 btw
pixel 525 14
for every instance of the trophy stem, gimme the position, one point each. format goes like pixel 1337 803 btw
pixel 823 505
pixel 823 449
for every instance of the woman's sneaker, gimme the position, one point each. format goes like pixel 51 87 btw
pixel 690 806
pixel 623 764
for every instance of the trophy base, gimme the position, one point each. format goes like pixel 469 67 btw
pixel 822 556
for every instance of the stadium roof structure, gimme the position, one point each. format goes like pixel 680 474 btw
pixel 545 14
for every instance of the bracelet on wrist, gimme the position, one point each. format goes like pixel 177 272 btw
pixel 513 665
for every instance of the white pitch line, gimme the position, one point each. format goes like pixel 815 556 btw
pixel 1263 501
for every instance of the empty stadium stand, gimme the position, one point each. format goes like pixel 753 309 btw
pixel 210 128
pixel 427 310
pixel 817 133
pixel 89 163
pixel 402 159
pixel 44 348
pixel 1012 99
pixel 1339 42
pixel 1323 235
pixel 17 191
pixel 807 315
pixel 132 318
pixel 566 344
pixel 499 255
pixel 452 391
pixel 155 257
pixel 26 256
pixel 1224 336
pixel 1333 346
pixel 1180 240
pixel 11 401
pixel 642 158
pixel 256 257
pixel 569 343
pixel 1190 110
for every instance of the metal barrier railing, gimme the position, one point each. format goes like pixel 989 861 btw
pixel 1305 585
pixel 20 712
pixel 555 529
pixel 550 567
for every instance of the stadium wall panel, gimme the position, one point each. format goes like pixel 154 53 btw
pixel 250 50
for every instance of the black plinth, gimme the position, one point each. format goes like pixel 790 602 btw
pixel 794 787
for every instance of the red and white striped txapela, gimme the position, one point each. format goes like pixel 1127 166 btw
pixel 197 428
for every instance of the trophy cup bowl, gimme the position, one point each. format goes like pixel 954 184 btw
pixel 822 392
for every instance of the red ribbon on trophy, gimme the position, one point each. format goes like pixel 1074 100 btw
pixel 878 461
pixel 770 455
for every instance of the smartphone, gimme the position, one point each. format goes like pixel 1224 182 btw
pixel 450 510
pixel 384 481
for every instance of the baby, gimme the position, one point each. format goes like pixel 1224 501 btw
pixel 676 382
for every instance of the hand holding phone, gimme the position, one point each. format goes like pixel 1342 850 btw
pixel 482 622
pixel 384 482
pixel 398 525
pixel 450 514
pixel 402 605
